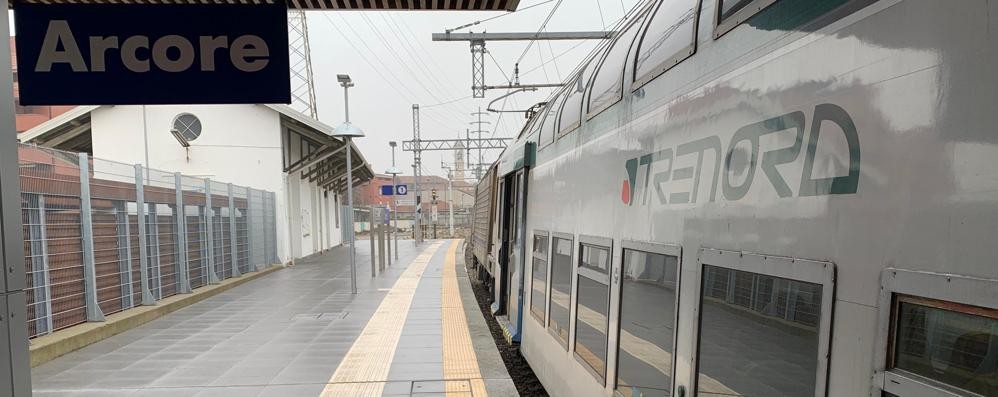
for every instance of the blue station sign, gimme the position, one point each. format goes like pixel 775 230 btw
pixel 400 190
pixel 119 54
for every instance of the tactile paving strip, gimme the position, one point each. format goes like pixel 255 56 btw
pixel 460 361
pixel 365 367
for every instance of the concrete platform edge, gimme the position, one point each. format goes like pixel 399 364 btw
pixel 490 363
pixel 49 347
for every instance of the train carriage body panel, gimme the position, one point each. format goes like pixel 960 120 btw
pixel 783 170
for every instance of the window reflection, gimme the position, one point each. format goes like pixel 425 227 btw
pixel 758 335
pixel 647 324
pixel 670 33
pixel 591 324
pixel 958 349
pixel 595 258
pixel 539 276
pixel 551 115
pixel 609 82
pixel 561 288
pixel 730 7
pixel 571 113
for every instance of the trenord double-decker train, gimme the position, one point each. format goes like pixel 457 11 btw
pixel 759 198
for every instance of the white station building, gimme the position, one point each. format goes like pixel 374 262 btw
pixel 267 147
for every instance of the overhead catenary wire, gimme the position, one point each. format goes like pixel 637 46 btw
pixel 468 25
pixel 401 23
pixel 405 66
pixel 539 30
pixel 414 53
pixel 554 58
pixel 557 69
pixel 601 18
pixel 409 95
pixel 603 44
pixel 448 102
pixel 395 55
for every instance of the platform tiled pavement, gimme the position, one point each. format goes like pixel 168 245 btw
pixel 282 335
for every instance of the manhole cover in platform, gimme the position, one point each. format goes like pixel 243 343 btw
pixel 439 386
pixel 319 316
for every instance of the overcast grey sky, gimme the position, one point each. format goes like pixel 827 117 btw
pixel 394 64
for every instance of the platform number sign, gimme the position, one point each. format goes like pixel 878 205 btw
pixel 400 190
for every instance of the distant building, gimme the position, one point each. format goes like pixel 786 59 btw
pixel 26 117
pixel 370 193
pixel 268 147
pixel 460 162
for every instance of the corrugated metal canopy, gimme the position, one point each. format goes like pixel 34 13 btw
pixel 430 5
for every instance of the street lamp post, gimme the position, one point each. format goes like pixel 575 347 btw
pixel 394 171
pixel 347 131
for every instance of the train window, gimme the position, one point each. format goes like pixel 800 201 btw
pixel 559 314
pixel 532 126
pixel 608 85
pixel 593 305
pixel 539 276
pixel 940 335
pixel 731 13
pixel 953 344
pixel 669 39
pixel 775 322
pixel 549 126
pixel 648 303
pixel 571 113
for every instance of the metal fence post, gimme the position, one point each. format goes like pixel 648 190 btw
pixel 89 262
pixel 140 214
pixel 388 238
pixel 250 232
pixel 272 228
pixel 40 264
pixel 183 273
pixel 233 234
pixel 124 253
pixel 253 231
pixel 264 232
pixel 370 235
pixel 209 215
pixel 155 265
pixel 381 241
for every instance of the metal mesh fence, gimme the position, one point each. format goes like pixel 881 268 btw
pixel 162 233
pixel 112 189
pixel 101 236
pixel 239 200
pixel 221 228
pixel 53 246
pixel 256 224
pixel 193 196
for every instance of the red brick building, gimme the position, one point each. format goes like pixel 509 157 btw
pixel 27 117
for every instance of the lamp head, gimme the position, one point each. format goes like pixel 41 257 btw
pixel 393 171
pixel 180 138
pixel 343 78
pixel 347 130
pixel 392 143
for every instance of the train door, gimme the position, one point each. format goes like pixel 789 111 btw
pixel 513 204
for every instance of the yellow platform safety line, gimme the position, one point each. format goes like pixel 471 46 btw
pixel 461 370
pixel 364 369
